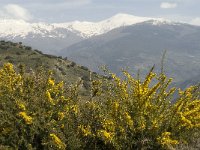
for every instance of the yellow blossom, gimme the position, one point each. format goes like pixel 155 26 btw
pixel 107 136
pixel 51 82
pixel 185 121
pixel 108 124
pixel 115 106
pixel 61 115
pixel 85 130
pixel 165 139
pixel 21 105
pixel 129 120
pixel 8 66
pixel 60 85
pixel 57 141
pixel 27 119
pixel 74 108
pixel 49 98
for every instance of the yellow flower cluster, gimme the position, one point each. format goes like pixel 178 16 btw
pixel 27 119
pixel 115 106
pixel 57 141
pixel 107 136
pixel 108 125
pixel 21 106
pixel 188 109
pixel 128 119
pixel 185 122
pixel 121 87
pixel 51 82
pixel 85 130
pixel 61 115
pixel 10 79
pixel 165 139
pixel 54 91
pixel 148 79
pixel 49 98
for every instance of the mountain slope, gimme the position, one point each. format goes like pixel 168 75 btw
pixel 63 69
pixel 189 82
pixel 141 46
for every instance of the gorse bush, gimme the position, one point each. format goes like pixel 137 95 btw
pixel 32 109
pixel 39 113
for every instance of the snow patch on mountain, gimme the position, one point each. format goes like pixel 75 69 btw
pixel 19 28
pixel 89 29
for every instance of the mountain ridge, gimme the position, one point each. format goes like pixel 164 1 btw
pixel 141 46
pixel 84 29
pixel 52 37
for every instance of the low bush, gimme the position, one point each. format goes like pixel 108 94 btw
pixel 39 113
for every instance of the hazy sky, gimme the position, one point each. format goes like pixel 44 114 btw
pixel 95 10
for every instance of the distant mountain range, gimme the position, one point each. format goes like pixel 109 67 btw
pixel 50 38
pixel 118 42
pixel 140 46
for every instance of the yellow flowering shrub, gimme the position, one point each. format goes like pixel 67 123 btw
pixel 37 112
pixel 138 114
pixel 33 111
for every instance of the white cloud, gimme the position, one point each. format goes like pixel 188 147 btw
pixel 15 12
pixel 73 3
pixel 167 5
pixel 195 21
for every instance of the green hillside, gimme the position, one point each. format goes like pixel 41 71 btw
pixel 63 69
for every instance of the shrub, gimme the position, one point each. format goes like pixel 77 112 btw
pixel 8 57
pixel 50 56
pixel 33 108
pixel 18 53
pixel 40 52
pixel 84 68
pixel 133 114
pixel 72 64
pixel 28 48
pixel 39 113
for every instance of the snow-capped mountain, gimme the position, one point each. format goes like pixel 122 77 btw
pixel 89 29
pixel 19 28
pixel 52 37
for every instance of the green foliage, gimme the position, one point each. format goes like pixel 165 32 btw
pixel 39 113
